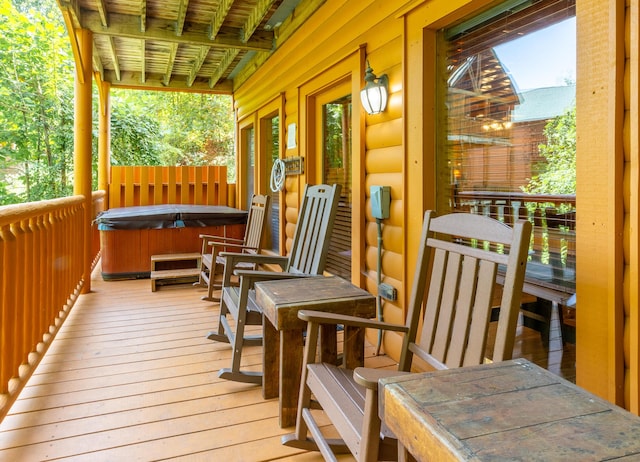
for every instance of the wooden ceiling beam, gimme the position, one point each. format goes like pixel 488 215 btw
pixel 128 26
pixel 143 60
pixel 102 11
pixel 197 64
pixel 218 17
pixel 143 15
pixel 250 26
pixel 225 62
pixel 114 57
pixel 255 18
pixel 121 36
pixel 131 80
pixel 97 63
pixel 173 49
pixel 183 6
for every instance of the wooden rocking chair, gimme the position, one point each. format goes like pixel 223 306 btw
pixel 307 257
pixel 213 263
pixel 457 311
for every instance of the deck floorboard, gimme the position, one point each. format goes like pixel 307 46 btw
pixel 130 376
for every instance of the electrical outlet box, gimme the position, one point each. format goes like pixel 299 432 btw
pixel 388 292
pixel 380 201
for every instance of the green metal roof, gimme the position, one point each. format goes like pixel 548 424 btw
pixel 544 103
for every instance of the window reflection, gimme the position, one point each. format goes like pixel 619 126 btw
pixel 508 112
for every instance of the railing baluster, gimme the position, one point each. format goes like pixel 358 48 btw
pixel 41 269
pixel 9 306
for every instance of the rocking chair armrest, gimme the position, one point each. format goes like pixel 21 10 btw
pixel 231 245
pixel 233 258
pixel 322 317
pixel 257 276
pixel 368 377
pixel 221 239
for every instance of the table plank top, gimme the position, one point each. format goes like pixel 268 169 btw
pixel 282 299
pixel 512 410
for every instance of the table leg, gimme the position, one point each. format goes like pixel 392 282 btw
pixel 328 343
pixel 270 357
pixel 291 355
pixel 353 347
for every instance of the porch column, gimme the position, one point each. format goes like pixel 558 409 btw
pixel 82 143
pixel 104 140
pixel 600 230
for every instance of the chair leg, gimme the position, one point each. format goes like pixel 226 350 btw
pixel 237 340
pixel 299 439
pixel 203 268
pixel 211 277
pixel 304 419
pixel 370 443
pixel 211 284
pixel 234 373
pixel 221 334
pixel 201 277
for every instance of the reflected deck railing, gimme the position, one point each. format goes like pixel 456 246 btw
pixel 551 267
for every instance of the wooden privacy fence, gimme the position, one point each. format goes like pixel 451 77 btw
pixel 98 200
pixel 204 185
pixel 41 266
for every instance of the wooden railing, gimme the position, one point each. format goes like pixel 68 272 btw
pixel 41 274
pixel 551 267
pixel 42 261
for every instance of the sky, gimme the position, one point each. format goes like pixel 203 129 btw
pixel 545 58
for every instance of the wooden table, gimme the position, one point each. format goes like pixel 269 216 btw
pixel 512 410
pixel 281 300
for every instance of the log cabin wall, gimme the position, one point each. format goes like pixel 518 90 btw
pixel 299 85
pixel 398 148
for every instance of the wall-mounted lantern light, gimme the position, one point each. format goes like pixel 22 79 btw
pixel 374 94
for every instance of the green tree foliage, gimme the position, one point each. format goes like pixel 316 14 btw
pixel 558 174
pixel 336 115
pixel 36 117
pixel 36 113
pixel 134 137
pixel 185 128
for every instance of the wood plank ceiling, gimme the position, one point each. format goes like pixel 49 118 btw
pixel 192 45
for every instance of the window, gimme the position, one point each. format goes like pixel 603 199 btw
pixel 248 145
pixel 272 145
pixel 507 113
pixel 336 151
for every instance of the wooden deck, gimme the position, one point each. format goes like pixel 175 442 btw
pixel 131 377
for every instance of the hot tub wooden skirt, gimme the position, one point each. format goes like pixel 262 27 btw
pixel 126 253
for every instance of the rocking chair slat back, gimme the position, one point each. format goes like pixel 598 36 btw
pixel 310 244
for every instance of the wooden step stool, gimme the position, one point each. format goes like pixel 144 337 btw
pixel 159 275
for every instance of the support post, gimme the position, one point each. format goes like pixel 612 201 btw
pixel 82 144
pixel 104 140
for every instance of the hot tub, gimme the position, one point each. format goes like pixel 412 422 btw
pixel 130 235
